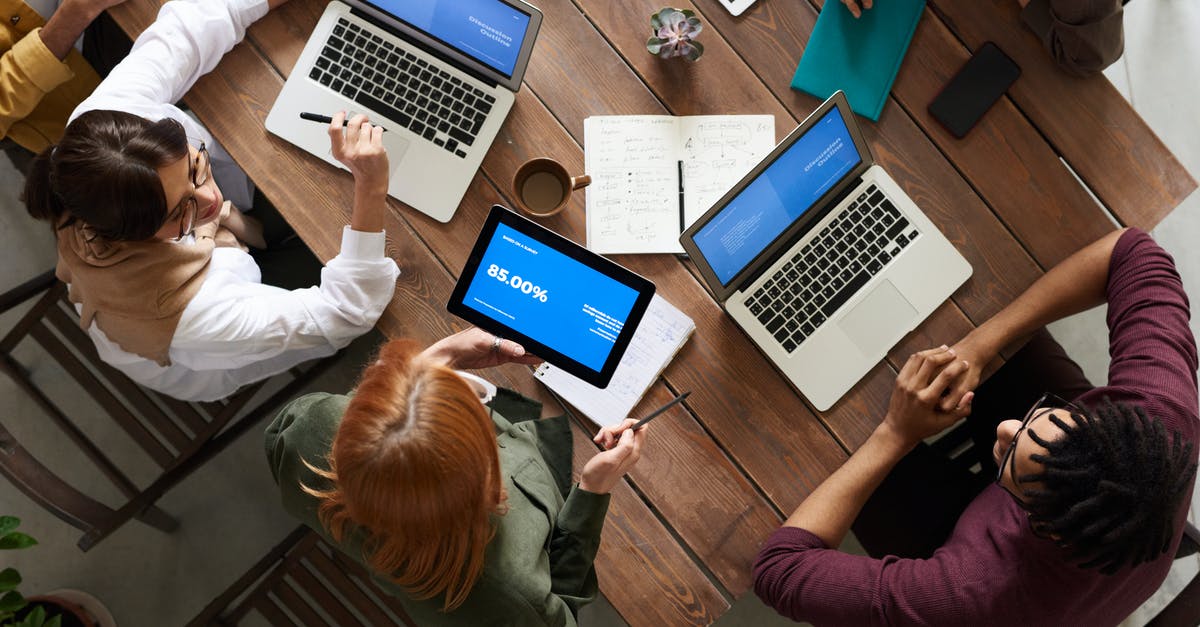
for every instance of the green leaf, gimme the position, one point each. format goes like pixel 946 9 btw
pixel 9 579
pixel 11 602
pixel 16 540
pixel 688 13
pixel 8 523
pixel 654 44
pixel 696 51
pixel 655 22
pixel 37 616
pixel 55 621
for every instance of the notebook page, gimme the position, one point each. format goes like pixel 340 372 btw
pixel 717 151
pixel 661 333
pixel 633 201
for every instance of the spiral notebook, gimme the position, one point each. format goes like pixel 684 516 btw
pixel 858 56
pixel 663 331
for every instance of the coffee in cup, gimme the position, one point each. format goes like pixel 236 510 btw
pixel 542 187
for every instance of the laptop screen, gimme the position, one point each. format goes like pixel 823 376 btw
pixel 784 191
pixel 489 31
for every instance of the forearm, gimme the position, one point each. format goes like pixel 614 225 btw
pixel 829 511
pixel 66 26
pixel 370 202
pixel 1076 284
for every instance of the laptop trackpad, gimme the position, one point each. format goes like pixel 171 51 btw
pixel 396 146
pixel 879 320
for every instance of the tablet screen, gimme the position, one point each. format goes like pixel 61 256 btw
pixel 567 305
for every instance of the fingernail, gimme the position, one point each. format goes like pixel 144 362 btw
pixel 965 363
pixel 944 347
pixel 518 350
pixel 951 351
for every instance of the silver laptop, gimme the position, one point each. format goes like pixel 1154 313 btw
pixel 821 258
pixel 439 75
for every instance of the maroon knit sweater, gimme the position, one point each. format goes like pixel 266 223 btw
pixel 993 570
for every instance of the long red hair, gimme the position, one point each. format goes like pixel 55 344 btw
pixel 415 465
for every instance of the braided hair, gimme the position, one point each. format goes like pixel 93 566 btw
pixel 1111 487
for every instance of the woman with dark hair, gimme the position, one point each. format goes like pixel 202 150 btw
pixel 450 490
pixel 153 252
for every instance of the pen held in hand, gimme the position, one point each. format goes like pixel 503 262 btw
pixel 675 401
pixel 324 119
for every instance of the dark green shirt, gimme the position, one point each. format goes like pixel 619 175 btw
pixel 538 569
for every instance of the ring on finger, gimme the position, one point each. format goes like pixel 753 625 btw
pixel 496 343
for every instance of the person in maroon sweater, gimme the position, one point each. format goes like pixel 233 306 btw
pixel 1091 492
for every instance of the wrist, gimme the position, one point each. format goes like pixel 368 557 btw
pixel 893 440
pixel 588 486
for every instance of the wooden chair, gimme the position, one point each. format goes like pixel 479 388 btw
pixel 304 581
pixel 177 437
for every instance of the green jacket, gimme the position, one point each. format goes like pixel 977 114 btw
pixel 538 568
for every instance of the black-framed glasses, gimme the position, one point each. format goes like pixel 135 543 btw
pixel 1046 402
pixel 198 171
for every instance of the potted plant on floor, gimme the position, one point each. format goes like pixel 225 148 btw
pixel 60 608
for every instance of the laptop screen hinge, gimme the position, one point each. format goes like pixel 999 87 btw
pixel 441 55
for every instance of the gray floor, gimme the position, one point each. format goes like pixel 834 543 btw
pixel 229 509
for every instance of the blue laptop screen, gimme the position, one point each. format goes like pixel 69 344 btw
pixel 550 297
pixel 489 31
pixel 797 178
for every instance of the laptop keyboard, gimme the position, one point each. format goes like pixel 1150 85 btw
pixel 385 78
pixel 831 268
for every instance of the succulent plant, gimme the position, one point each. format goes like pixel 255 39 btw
pixel 674 34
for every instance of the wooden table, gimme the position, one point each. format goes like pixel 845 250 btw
pixel 718 476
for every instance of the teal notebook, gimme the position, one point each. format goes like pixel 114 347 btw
pixel 858 56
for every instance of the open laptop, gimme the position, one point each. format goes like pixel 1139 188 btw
pixel 821 258
pixel 439 75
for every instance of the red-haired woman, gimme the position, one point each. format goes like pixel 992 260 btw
pixel 449 489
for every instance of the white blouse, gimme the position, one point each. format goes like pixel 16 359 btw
pixel 235 330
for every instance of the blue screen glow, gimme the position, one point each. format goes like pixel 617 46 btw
pixel 550 297
pixel 487 30
pixel 780 195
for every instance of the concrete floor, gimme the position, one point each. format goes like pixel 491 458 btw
pixel 229 508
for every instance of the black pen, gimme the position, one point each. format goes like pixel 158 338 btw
pixel 682 224
pixel 324 119
pixel 675 401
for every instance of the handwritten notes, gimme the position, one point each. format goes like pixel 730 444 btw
pixel 652 175
pixel 661 333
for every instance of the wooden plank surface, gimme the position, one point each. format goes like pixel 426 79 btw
pixel 719 471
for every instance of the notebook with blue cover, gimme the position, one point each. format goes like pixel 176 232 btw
pixel 858 56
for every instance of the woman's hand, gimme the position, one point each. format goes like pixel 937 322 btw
pixel 472 349
pixel 359 146
pixel 623 448
pixel 925 383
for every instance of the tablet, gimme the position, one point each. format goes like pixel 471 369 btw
pixel 562 302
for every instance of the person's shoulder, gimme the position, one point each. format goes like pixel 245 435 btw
pixel 307 424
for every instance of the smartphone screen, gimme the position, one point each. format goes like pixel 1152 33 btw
pixel 977 86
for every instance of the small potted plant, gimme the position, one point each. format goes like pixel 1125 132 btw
pixel 61 608
pixel 674 33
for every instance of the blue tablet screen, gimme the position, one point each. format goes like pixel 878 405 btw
pixel 550 297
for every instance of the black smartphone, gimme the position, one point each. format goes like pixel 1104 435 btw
pixel 977 86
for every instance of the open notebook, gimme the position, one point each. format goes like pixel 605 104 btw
pixel 661 334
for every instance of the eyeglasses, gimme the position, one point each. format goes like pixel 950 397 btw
pixel 1047 402
pixel 198 172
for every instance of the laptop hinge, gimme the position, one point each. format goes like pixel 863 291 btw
pixel 833 202
pixel 474 73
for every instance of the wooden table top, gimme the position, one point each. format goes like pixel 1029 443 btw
pixel 718 475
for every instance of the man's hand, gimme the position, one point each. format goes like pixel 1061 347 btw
pixel 67 24
pixel 471 349
pixel 359 146
pixel 623 449
pixel 914 412
pixel 854 7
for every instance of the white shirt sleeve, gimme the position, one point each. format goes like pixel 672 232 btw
pixel 186 41
pixel 235 321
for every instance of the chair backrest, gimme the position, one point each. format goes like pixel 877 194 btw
pixel 167 438
pixel 304 581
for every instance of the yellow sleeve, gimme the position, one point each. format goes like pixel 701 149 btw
pixel 27 73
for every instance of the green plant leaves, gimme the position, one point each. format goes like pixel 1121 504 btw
pixel 11 602
pixel 16 540
pixel 9 579
pixel 8 523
